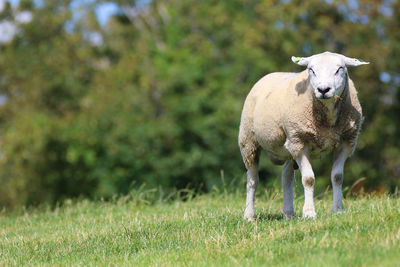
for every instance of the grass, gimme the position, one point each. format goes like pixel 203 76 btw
pixel 204 231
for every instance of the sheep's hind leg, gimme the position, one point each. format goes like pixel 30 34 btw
pixel 252 182
pixel 287 186
pixel 250 151
pixel 340 156
pixel 308 180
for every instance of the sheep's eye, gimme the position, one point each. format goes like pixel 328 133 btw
pixel 337 72
pixel 311 70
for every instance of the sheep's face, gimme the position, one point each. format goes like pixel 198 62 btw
pixel 327 76
pixel 327 73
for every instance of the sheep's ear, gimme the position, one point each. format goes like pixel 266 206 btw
pixel 302 61
pixel 353 62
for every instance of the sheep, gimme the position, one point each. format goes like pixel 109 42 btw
pixel 296 117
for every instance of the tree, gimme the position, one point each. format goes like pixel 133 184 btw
pixel 155 96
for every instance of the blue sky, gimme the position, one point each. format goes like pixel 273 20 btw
pixel 103 11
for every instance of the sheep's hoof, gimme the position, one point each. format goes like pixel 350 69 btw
pixel 288 214
pixel 248 216
pixel 309 213
pixel 338 209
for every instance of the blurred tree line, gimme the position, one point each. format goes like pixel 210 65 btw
pixel 155 95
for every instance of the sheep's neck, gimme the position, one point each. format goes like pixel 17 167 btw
pixel 326 112
pixel 331 112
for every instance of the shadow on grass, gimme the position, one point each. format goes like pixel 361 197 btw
pixel 269 217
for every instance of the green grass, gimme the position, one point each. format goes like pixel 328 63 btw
pixel 205 231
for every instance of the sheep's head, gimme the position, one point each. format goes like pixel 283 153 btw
pixel 327 72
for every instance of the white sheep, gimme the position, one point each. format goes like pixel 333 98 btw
pixel 299 116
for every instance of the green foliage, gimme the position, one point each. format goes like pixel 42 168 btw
pixel 205 231
pixel 158 101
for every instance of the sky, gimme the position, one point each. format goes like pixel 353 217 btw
pixel 103 11
pixel 9 28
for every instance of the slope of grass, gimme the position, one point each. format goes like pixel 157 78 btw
pixel 205 231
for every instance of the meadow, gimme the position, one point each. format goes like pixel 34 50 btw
pixel 206 230
pixel 99 97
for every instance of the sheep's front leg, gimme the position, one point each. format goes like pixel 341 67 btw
pixel 287 185
pixel 252 182
pixel 308 180
pixel 339 158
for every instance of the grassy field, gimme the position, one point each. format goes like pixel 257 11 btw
pixel 204 231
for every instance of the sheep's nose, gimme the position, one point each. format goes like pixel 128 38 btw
pixel 323 90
